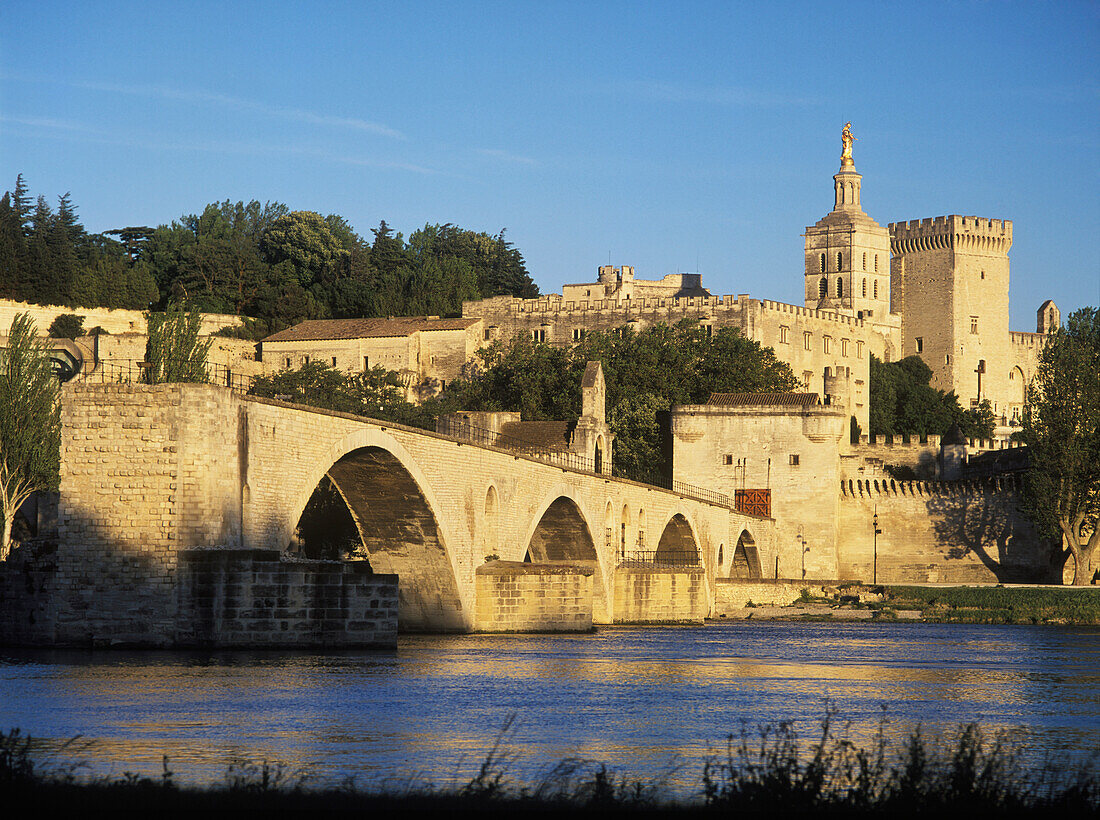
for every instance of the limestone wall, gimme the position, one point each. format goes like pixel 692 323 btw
pixel 939 532
pixel 792 451
pixel 513 596
pixel 251 598
pixel 660 595
pixel 145 471
pixel 113 321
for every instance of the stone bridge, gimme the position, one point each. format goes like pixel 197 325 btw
pixel 149 472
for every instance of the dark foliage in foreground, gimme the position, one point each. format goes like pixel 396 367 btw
pixel 766 772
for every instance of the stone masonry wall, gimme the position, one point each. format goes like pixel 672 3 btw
pixel 251 598
pixel 660 595
pixel 513 596
pixel 113 321
pixel 939 532
pixel 145 471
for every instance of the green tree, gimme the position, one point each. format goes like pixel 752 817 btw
pixel 1061 428
pixel 903 402
pixel 376 393
pixel 174 352
pixel 646 373
pixel 303 239
pixel 30 422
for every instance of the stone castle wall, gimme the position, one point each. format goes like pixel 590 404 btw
pixel 939 532
pixel 113 321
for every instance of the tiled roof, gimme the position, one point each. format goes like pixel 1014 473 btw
pixel 318 329
pixel 763 399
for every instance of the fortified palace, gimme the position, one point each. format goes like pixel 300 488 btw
pixel 937 288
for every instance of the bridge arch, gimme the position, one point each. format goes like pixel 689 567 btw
pixel 395 512
pixel 490 523
pixel 678 543
pixel 560 533
pixel 745 563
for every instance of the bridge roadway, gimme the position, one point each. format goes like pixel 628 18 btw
pixel 217 469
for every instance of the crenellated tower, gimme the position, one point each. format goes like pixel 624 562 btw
pixel 847 252
pixel 950 282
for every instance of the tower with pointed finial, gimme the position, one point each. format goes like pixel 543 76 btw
pixel 847 252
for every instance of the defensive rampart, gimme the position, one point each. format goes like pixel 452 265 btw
pixel 939 532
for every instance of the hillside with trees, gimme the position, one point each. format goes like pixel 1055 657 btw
pixel 263 261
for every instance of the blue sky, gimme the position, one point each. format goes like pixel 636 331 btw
pixel 672 137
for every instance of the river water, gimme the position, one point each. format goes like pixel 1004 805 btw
pixel 650 702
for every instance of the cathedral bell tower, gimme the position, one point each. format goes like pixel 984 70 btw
pixel 847 252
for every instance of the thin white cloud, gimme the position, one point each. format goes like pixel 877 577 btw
pixel 296 114
pixel 68 131
pixel 48 122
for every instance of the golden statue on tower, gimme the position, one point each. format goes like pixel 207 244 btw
pixel 847 139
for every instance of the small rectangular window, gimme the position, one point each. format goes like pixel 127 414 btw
pixel 826 344
pixel 366 363
pixel 783 331
pixel 920 345
pixel 288 363
pixel 859 350
pixel 334 361
pixel 947 358
pixel 729 460
pixel 807 375
pixel 808 340
pixel 843 347
pixel 793 459
pixel 488 334
pixel 974 325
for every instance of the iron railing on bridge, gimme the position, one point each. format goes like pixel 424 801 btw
pixel 135 371
pixel 660 558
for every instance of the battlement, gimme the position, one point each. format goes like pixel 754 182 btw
pixel 964 233
pixel 881 489
pixel 554 303
pixel 1024 339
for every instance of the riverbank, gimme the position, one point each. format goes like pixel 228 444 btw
pixel 928 603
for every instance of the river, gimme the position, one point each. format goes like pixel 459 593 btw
pixel 650 702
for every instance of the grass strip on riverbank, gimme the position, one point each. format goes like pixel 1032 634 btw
pixel 767 772
pixel 997 605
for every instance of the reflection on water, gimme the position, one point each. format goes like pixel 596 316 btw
pixel 647 701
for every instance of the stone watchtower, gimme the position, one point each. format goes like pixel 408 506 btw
pixel 950 283
pixel 847 252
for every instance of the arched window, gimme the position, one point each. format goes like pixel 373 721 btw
pixel 823 288
pixel 865 279
pixel 839 288
pixel 823 263
pixel 840 261
pixel 876 288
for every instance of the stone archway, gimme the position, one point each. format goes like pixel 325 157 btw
pixel 401 535
pixel 745 564
pixel 678 545
pixel 562 536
